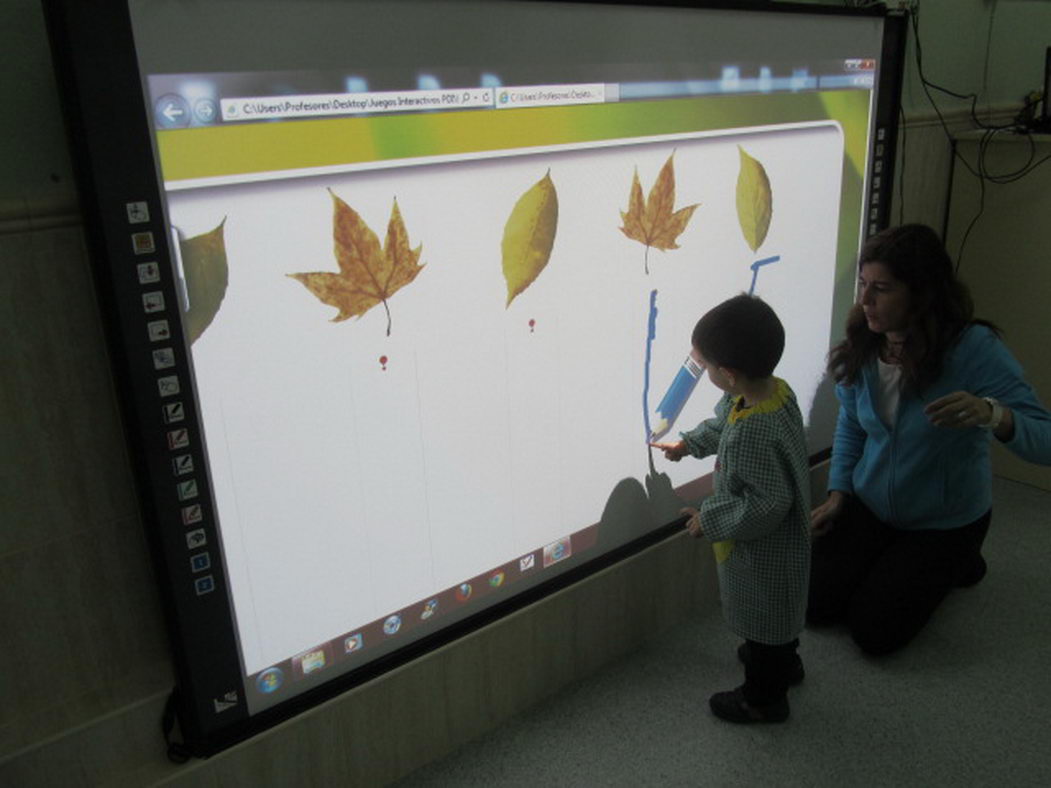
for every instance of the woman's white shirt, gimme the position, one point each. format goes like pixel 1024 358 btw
pixel 889 392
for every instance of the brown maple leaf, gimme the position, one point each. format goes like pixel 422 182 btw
pixel 653 222
pixel 367 274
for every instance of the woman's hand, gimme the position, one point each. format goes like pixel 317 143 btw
pixel 958 410
pixel 672 451
pixel 693 524
pixel 824 516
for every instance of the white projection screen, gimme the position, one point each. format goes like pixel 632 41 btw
pixel 398 292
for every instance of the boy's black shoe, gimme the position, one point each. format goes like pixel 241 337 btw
pixel 796 673
pixel 732 707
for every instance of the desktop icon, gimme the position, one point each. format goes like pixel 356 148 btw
pixel 353 643
pixel 392 624
pixel 429 609
pixel 557 551
pixel 463 592
pixel 310 661
pixel 270 680
pixel 496 579
pixel 526 562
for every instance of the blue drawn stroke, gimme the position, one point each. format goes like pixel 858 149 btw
pixel 755 270
pixel 651 334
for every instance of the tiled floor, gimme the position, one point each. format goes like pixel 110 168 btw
pixel 967 704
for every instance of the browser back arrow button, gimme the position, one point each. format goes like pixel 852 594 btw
pixel 171 111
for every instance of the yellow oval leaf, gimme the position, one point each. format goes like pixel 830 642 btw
pixel 754 200
pixel 205 269
pixel 529 235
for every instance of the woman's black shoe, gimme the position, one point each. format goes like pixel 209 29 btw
pixel 974 574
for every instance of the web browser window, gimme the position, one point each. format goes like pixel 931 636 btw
pixel 427 348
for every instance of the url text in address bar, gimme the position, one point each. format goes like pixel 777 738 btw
pixel 305 106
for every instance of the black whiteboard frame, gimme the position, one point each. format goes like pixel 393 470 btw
pixel 110 140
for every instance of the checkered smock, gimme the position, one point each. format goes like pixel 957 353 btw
pixel 758 517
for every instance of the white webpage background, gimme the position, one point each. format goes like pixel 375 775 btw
pixel 346 491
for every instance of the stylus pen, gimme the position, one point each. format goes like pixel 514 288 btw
pixel 678 392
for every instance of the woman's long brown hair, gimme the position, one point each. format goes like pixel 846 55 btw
pixel 940 308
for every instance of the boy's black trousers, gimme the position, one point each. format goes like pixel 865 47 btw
pixel 767 671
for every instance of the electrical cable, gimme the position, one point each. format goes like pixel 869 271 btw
pixel 988 50
pixel 980 170
pixel 973 222
pixel 972 97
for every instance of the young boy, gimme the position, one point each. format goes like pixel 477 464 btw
pixel 758 516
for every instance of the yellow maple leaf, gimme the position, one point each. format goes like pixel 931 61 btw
pixel 368 275
pixel 654 222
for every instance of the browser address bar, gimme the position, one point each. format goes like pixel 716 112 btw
pixel 321 104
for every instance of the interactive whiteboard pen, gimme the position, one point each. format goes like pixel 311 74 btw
pixel 678 392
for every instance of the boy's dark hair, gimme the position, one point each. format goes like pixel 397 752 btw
pixel 742 333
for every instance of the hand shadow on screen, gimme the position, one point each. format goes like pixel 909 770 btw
pixel 633 510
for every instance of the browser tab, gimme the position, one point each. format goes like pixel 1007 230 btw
pixel 551 95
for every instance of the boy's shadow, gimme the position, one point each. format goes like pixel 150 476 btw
pixel 633 510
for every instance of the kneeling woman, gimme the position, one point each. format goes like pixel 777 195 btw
pixel 923 387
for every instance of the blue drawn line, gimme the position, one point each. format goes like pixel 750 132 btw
pixel 755 270
pixel 651 334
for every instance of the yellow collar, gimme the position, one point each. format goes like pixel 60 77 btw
pixel 772 403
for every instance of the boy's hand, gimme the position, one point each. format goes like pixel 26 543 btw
pixel 672 451
pixel 693 525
